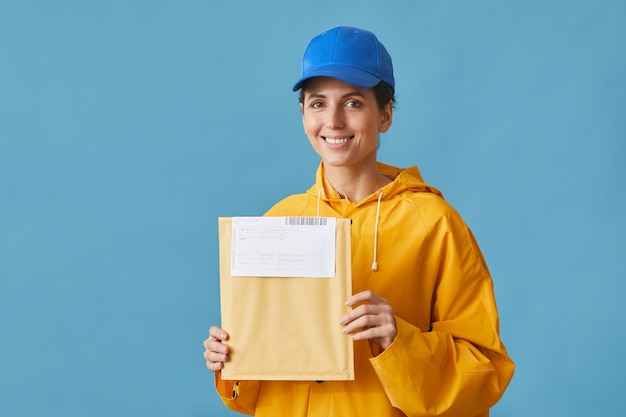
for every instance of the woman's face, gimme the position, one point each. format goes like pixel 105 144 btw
pixel 342 122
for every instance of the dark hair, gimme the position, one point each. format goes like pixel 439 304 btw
pixel 384 94
pixel 382 91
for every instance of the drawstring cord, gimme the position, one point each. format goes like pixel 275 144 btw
pixel 375 263
pixel 380 196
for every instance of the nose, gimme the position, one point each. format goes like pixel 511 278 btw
pixel 334 117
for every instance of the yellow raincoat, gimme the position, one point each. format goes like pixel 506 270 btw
pixel 447 358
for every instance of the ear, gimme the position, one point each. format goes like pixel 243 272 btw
pixel 386 117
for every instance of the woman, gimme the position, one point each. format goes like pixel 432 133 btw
pixel 424 318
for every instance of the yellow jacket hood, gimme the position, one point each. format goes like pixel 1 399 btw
pixel 409 179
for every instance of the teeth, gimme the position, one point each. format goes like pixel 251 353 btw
pixel 337 141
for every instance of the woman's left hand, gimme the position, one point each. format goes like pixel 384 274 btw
pixel 372 319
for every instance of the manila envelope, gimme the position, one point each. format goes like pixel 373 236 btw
pixel 286 328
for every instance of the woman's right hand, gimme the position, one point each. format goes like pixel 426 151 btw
pixel 216 352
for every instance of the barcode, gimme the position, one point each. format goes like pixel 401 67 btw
pixel 305 221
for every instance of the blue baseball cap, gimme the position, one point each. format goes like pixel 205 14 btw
pixel 352 55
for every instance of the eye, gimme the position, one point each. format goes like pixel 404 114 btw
pixel 316 105
pixel 354 104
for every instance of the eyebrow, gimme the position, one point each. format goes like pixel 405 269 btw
pixel 350 94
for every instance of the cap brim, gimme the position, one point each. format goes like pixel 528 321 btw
pixel 353 76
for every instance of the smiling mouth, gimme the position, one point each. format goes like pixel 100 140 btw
pixel 337 141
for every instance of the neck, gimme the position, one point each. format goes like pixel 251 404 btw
pixel 355 185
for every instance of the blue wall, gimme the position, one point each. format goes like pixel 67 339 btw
pixel 128 127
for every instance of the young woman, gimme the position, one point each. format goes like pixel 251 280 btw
pixel 424 318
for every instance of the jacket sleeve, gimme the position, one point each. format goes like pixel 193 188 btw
pixel 458 367
pixel 240 396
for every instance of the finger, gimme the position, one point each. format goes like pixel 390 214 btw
pixel 385 330
pixel 354 314
pixel 215 366
pixel 217 334
pixel 369 333
pixel 212 356
pixel 367 310
pixel 366 321
pixel 365 297
pixel 212 345
pixel 215 360
pixel 356 325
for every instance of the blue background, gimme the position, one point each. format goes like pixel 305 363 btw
pixel 128 127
